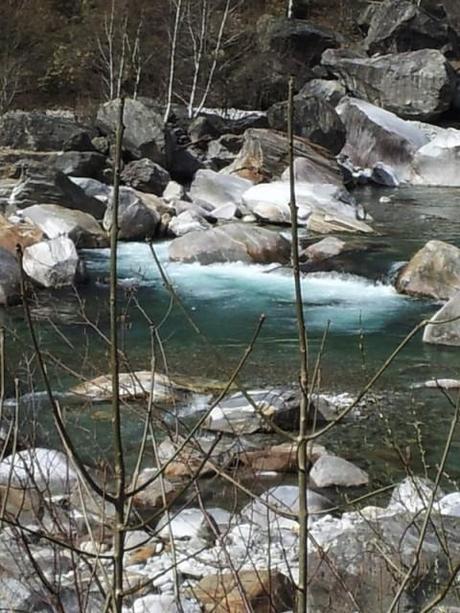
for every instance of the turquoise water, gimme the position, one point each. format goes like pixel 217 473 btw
pixel 357 309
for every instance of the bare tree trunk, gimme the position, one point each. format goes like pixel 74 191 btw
pixel 303 355
pixel 120 476
pixel 172 60
pixel 198 54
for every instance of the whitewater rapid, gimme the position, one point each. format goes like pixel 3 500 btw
pixel 346 303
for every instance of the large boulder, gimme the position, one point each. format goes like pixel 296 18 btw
pixel 436 163
pixel 314 118
pixel 54 220
pixel 235 242
pixel 138 217
pixel 294 45
pixel 434 271
pixel 10 278
pixel 52 263
pixel 447 333
pixel 265 153
pixel 216 190
pixel 269 202
pixel 211 126
pixel 377 136
pixel 401 25
pixel 187 221
pixel 144 135
pixel 48 186
pixel 414 85
pixel 15 162
pixel 41 131
pixel 329 470
pixel 146 176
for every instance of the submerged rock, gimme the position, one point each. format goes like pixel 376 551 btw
pixel 237 415
pixel 132 386
pixel 434 271
pixel 235 242
pixel 445 333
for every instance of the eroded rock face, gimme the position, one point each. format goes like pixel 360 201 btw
pixel 446 333
pixel 233 242
pixel 264 157
pixel 401 25
pixel 414 85
pixel 434 271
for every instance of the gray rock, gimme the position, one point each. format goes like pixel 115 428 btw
pixel 236 415
pixel 173 191
pixel 327 248
pixel 144 135
pixel 401 25
pixel 223 151
pixel 328 90
pixel 263 158
pixel 137 218
pixel 218 189
pixel 55 220
pixel 450 504
pixel 188 524
pixel 434 271
pixel 81 163
pixel 52 263
pixel 376 136
pixel 235 242
pixel 10 279
pixel 187 221
pixel 447 333
pixel 414 85
pixel 314 118
pixel 212 126
pixel 40 131
pixel 39 185
pixel 146 176
pixel 331 470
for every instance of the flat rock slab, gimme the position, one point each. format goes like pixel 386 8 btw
pixel 331 470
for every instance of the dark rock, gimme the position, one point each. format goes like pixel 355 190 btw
pixel 146 176
pixel 211 126
pixel 401 25
pixel 81 164
pixel 314 119
pixel 233 242
pixel 144 135
pixel 183 160
pixel 223 151
pixel 10 279
pixel 39 131
pixel 414 85
pixel 39 185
